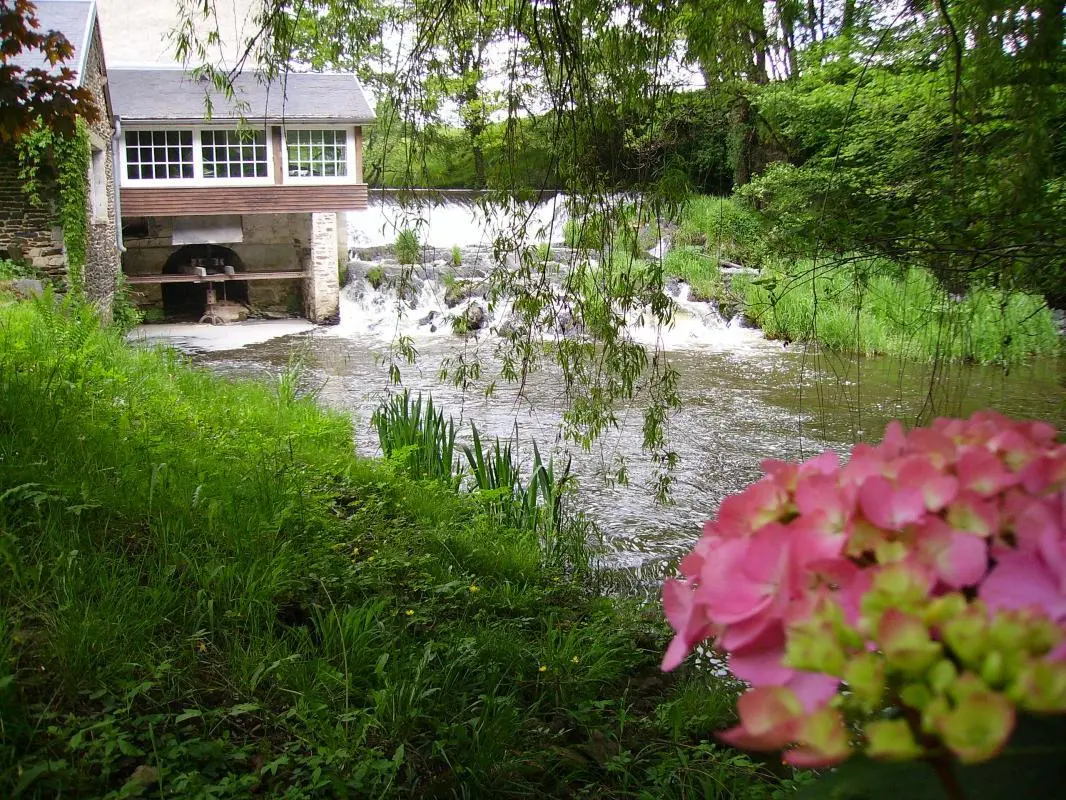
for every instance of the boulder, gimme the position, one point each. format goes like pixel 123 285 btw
pixel 456 293
pixel 27 288
pixel 475 317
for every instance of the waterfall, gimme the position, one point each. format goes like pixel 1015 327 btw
pixel 415 302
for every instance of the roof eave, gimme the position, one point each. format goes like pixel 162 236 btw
pixel 86 43
pixel 128 121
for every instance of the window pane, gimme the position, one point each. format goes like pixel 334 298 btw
pixel 234 154
pixel 317 153
pixel 159 155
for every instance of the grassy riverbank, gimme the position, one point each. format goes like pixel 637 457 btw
pixel 204 593
pixel 853 304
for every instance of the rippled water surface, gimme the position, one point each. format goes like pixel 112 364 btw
pixel 745 399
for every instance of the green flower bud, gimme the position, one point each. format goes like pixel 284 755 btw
pixel 865 676
pixel 891 740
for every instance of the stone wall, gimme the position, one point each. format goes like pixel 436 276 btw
pixel 322 285
pixel 102 257
pixel 32 232
pixel 27 232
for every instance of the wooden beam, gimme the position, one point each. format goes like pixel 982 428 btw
pixel 216 278
pixel 275 138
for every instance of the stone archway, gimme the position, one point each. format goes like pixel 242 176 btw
pixel 190 299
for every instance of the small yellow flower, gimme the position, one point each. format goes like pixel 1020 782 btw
pixel 474 588
pixel 576 660
pixel 201 647
pixel 542 668
pixel 410 612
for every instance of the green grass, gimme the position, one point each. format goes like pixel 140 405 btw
pixel 698 270
pixel 872 307
pixel 726 228
pixel 204 593
pixel 407 247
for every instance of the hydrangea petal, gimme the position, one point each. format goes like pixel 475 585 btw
pixel 890 507
pixel 1022 581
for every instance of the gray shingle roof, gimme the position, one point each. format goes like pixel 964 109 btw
pixel 168 94
pixel 73 19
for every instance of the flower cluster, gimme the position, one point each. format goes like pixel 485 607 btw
pixel 908 602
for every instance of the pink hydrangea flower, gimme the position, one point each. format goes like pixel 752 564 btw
pixel 936 558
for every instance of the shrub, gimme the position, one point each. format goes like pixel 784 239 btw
pixel 457 256
pixel 408 250
pixel 375 276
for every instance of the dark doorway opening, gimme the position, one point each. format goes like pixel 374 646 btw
pixel 190 299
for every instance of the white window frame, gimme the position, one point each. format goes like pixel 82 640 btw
pixel 268 158
pixel 128 181
pixel 98 185
pixel 198 179
pixel 349 152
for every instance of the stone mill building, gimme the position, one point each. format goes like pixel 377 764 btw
pixel 234 211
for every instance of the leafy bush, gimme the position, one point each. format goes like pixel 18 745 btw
pixel 407 249
pixel 457 256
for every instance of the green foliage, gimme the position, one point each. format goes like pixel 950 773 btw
pixel 876 307
pixel 926 160
pixel 13 270
pixel 613 227
pixel 457 256
pixel 417 436
pixel 407 248
pixel 125 315
pixel 203 593
pixel 727 228
pixel 699 271
pixel 375 276
pixel 52 161
pixel 517 156
pixel 1027 767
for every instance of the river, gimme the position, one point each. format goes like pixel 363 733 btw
pixel 744 399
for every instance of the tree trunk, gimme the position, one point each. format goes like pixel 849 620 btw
pixel 847 25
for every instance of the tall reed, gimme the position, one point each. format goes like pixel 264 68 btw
pixel 417 435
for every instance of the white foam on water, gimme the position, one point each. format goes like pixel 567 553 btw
pixel 194 337
pixel 456 222
pixel 380 315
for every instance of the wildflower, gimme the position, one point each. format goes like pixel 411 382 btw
pixel 933 563
pixel 474 588
pixel 542 668
pixel 410 612
pixel 201 647
pixel 575 660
